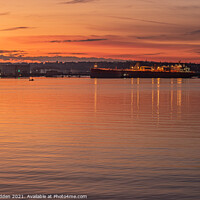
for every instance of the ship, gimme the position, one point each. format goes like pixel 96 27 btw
pixel 170 71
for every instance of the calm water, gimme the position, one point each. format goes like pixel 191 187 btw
pixel 106 138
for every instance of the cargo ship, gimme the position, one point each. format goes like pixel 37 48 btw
pixel 173 71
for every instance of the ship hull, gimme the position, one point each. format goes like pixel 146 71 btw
pixel 117 73
pixel 109 73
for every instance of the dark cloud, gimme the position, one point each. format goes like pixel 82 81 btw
pixel 197 51
pixel 151 37
pixel 76 1
pixel 86 40
pixel 15 28
pixel 190 36
pixel 135 55
pixel 129 27
pixel 54 58
pixel 170 43
pixel 121 55
pixel 152 54
pixel 11 51
pixel 5 13
pixel 188 7
pixel 194 32
pixel 69 53
pixel 143 20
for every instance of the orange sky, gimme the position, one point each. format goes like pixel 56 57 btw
pixel 63 30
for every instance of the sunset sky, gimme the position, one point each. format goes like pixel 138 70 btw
pixel 65 30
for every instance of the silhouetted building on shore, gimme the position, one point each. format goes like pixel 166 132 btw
pixel 74 68
pixel 14 70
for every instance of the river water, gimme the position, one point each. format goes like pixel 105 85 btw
pixel 104 138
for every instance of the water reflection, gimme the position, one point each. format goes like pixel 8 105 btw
pixel 179 96
pixel 132 96
pixel 95 95
pixel 158 98
pixel 163 94
pixel 179 91
pixel 171 96
pixel 78 134
pixel 138 95
pixel 152 96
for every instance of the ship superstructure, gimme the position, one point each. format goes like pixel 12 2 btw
pixel 137 71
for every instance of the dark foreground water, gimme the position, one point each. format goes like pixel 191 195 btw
pixel 106 138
